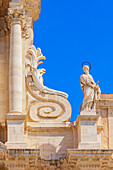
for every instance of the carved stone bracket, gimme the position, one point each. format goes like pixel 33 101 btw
pixel 27 31
pixel 43 103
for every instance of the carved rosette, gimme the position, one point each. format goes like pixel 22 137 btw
pixel 44 104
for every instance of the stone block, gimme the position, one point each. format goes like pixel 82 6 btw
pixel 15 131
pixel 87 132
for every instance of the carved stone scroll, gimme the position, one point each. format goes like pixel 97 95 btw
pixel 46 104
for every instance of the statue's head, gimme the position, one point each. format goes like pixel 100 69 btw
pixel 86 69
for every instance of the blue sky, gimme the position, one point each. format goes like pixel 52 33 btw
pixel 69 33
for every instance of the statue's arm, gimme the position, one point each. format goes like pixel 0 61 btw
pixel 88 82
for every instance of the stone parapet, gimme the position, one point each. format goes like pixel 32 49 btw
pixel 75 159
pixel 21 158
pixel 92 159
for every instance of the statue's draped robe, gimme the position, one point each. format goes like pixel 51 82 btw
pixel 91 95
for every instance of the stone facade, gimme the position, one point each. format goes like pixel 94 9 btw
pixel 35 132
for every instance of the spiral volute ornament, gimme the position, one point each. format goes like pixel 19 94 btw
pixel 44 104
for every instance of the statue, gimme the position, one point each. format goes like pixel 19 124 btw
pixel 91 90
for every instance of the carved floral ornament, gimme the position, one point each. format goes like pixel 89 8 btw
pixel 17 15
pixel 47 103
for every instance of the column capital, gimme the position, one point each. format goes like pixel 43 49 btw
pixel 16 15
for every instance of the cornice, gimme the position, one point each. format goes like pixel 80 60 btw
pixel 32 7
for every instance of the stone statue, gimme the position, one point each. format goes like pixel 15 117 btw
pixel 91 90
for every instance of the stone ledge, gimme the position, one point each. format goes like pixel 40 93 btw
pixel 90 151
pixel 89 145
pixel 15 116
pixel 50 124
pixel 88 116
pixel 2 146
pixel 21 145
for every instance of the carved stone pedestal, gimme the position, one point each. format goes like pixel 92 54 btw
pixel 15 131
pixel 87 131
pixel 88 113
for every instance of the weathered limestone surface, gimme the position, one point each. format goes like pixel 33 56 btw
pixel 44 104
pixel 52 139
pixel 15 63
pixel 15 126
pixel 89 159
pixel 105 110
pixel 4 76
pixel 32 7
pixel 35 132
pixel 87 132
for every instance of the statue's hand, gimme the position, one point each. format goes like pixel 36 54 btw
pixel 96 87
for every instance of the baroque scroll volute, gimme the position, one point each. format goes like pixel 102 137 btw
pixel 44 104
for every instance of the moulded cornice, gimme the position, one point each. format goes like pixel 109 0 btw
pixel 32 7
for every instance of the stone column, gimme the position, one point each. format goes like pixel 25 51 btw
pixel 15 118
pixel 15 63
